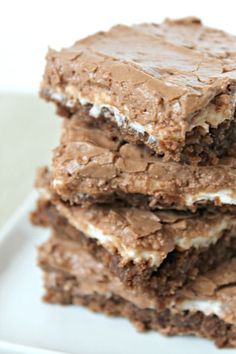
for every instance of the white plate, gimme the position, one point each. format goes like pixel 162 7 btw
pixel 27 325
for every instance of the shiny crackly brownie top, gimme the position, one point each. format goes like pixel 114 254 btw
pixel 162 83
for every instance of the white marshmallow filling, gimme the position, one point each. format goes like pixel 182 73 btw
pixel 208 117
pixel 138 254
pixel 224 196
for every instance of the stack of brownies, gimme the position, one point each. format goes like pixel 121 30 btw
pixel 141 193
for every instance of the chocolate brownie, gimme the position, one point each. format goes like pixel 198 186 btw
pixel 206 307
pixel 94 164
pixel 170 86
pixel 158 252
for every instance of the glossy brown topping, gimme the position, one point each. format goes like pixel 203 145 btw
pixel 216 289
pixel 148 230
pixel 159 81
pixel 93 161
pixel 218 284
pixel 92 275
pixel 145 237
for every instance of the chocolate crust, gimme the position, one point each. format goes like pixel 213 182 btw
pixel 186 70
pixel 165 322
pixel 178 269
pixel 93 164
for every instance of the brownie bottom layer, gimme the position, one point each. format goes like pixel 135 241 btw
pixel 60 289
pixel 177 270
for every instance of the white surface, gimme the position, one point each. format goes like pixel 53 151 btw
pixel 29 326
pixel 28 27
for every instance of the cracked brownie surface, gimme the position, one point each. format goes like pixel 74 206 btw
pixel 171 86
